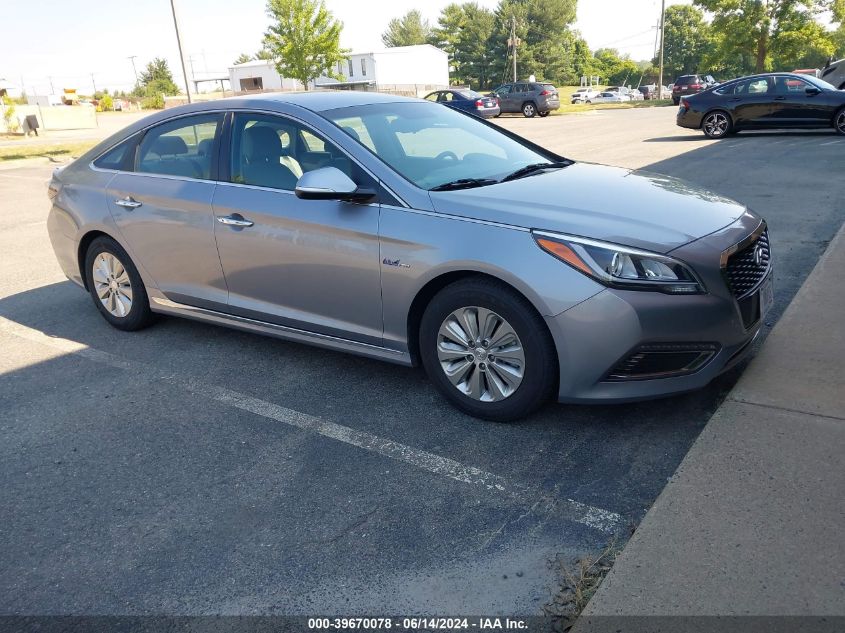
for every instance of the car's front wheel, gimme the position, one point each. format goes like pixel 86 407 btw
pixel 115 286
pixel 839 121
pixel 717 124
pixel 487 350
pixel 543 114
pixel 676 101
pixel 529 110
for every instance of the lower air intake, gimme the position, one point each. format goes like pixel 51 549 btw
pixel 663 360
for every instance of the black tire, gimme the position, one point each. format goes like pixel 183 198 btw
pixel 540 372
pixel 544 114
pixel 839 122
pixel 139 315
pixel 676 101
pixel 529 109
pixel 717 124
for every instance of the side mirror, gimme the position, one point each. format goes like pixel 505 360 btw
pixel 329 183
pixel 812 91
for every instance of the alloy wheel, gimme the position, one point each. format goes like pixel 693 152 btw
pixel 716 125
pixel 112 284
pixel 481 354
pixel 529 110
pixel 840 122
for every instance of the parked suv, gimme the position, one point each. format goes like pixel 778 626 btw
pixel 686 85
pixel 834 73
pixel 527 97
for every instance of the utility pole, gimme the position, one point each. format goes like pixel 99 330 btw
pixel 94 83
pixel 662 46
pixel 131 58
pixel 513 42
pixel 181 55
pixel 52 90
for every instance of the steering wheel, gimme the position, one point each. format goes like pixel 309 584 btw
pixel 447 155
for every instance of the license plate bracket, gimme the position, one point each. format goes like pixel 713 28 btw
pixel 767 295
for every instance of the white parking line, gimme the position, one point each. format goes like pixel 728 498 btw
pixel 596 518
pixel 836 142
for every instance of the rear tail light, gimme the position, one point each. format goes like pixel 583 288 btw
pixel 479 104
pixel 545 93
pixel 53 189
pixel 696 86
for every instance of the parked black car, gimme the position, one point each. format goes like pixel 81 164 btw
pixel 774 100
pixel 527 97
pixel 466 100
pixel 690 85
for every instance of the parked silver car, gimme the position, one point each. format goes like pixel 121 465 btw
pixel 402 230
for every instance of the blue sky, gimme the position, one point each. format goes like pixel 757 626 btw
pixel 70 39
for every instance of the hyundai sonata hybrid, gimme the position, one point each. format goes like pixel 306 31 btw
pixel 404 231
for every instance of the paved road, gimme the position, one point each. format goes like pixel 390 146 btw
pixel 193 469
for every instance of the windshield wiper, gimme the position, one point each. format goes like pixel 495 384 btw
pixel 535 168
pixel 464 183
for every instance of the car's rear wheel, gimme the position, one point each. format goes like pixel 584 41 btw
pixel 529 109
pixel 487 350
pixel 115 286
pixel 717 124
pixel 839 121
pixel 676 101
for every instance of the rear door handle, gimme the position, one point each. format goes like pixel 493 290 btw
pixel 234 220
pixel 780 98
pixel 128 203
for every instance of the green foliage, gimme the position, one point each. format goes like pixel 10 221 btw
pixel 153 102
pixel 156 80
pixel 105 103
pixel 264 54
pixel 243 58
pixel 408 30
pixel 464 31
pixel 761 35
pixel 545 41
pixel 10 120
pixel 615 69
pixel 304 39
pixel 687 42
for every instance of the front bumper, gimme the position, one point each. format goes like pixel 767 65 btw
pixel 594 337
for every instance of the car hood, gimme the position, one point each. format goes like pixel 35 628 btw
pixel 633 208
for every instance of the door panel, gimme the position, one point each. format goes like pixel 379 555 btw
pixel 795 108
pixel 751 103
pixel 167 220
pixel 309 264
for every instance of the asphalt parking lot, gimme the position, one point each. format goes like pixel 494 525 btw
pixel 190 469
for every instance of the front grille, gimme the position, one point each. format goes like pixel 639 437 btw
pixel 663 360
pixel 745 270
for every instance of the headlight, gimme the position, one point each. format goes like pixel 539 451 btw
pixel 620 266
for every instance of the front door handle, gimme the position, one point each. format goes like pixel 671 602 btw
pixel 233 220
pixel 780 98
pixel 128 203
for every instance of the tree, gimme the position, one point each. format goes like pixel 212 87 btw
pixel 464 31
pixel 615 69
pixel 264 54
pixel 687 41
pixel 408 30
pixel 754 34
pixel 156 79
pixel 545 41
pixel 243 58
pixel 303 40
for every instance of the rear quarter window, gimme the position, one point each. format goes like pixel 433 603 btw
pixel 120 157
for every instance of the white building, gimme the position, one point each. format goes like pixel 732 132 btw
pixel 413 70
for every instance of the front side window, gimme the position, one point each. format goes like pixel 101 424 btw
pixel 272 151
pixel 431 145
pixel 182 147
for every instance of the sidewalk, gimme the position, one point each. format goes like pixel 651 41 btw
pixel 753 521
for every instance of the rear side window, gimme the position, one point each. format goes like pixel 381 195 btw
pixel 183 147
pixel 121 157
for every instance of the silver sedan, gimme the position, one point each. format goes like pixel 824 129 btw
pixel 401 230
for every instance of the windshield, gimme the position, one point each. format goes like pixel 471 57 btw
pixel 431 145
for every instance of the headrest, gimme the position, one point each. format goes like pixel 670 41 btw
pixel 169 145
pixel 261 143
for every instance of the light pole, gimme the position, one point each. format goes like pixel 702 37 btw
pixel 181 55
pixel 131 58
